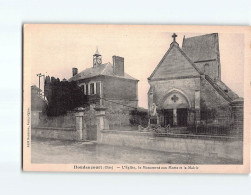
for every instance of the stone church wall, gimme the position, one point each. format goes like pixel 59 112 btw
pixel 188 86
pixel 214 108
pixel 212 68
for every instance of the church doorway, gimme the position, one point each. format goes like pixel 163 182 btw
pixel 168 117
pixel 176 117
pixel 182 117
pixel 175 106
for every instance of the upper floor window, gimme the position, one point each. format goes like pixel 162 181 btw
pixel 89 88
pixel 85 92
pixel 83 86
pixel 92 88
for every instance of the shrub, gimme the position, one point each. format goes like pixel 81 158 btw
pixel 138 117
pixel 62 96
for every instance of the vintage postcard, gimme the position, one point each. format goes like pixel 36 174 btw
pixel 136 98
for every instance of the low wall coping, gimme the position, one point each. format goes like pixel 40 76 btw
pixel 127 132
pixel 56 128
pixel 175 136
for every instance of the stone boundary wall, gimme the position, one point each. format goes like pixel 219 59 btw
pixel 54 133
pixel 85 126
pixel 64 121
pixel 230 149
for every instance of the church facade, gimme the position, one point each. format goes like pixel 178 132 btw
pixel 186 87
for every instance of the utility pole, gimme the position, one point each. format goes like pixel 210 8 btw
pixel 39 75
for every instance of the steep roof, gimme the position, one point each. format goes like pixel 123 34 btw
pixel 222 89
pixel 103 69
pixel 175 63
pixel 201 48
pixel 227 90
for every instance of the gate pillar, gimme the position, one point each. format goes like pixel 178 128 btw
pixel 81 131
pixel 100 120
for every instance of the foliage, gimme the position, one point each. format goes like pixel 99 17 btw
pixel 62 96
pixel 138 117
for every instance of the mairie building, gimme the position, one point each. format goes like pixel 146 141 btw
pixel 107 84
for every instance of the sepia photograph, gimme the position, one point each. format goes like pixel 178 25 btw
pixel 135 98
pixel 125 97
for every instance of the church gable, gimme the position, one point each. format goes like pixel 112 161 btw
pixel 174 64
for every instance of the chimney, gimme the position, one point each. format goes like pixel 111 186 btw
pixel 118 65
pixel 74 71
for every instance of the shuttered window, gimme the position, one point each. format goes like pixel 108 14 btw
pixel 93 88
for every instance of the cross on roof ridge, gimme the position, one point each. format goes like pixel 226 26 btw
pixel 174 37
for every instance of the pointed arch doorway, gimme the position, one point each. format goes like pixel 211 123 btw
pixel 175 109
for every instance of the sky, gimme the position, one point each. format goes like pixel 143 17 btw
pixel 55 49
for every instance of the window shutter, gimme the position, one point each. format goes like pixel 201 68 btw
pixel 95 87
pixel 85 89
pixel 88 88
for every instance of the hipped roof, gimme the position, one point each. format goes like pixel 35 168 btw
pixel 100 70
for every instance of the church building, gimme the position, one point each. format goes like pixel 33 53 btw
pixel 186 87
pixel 107 84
